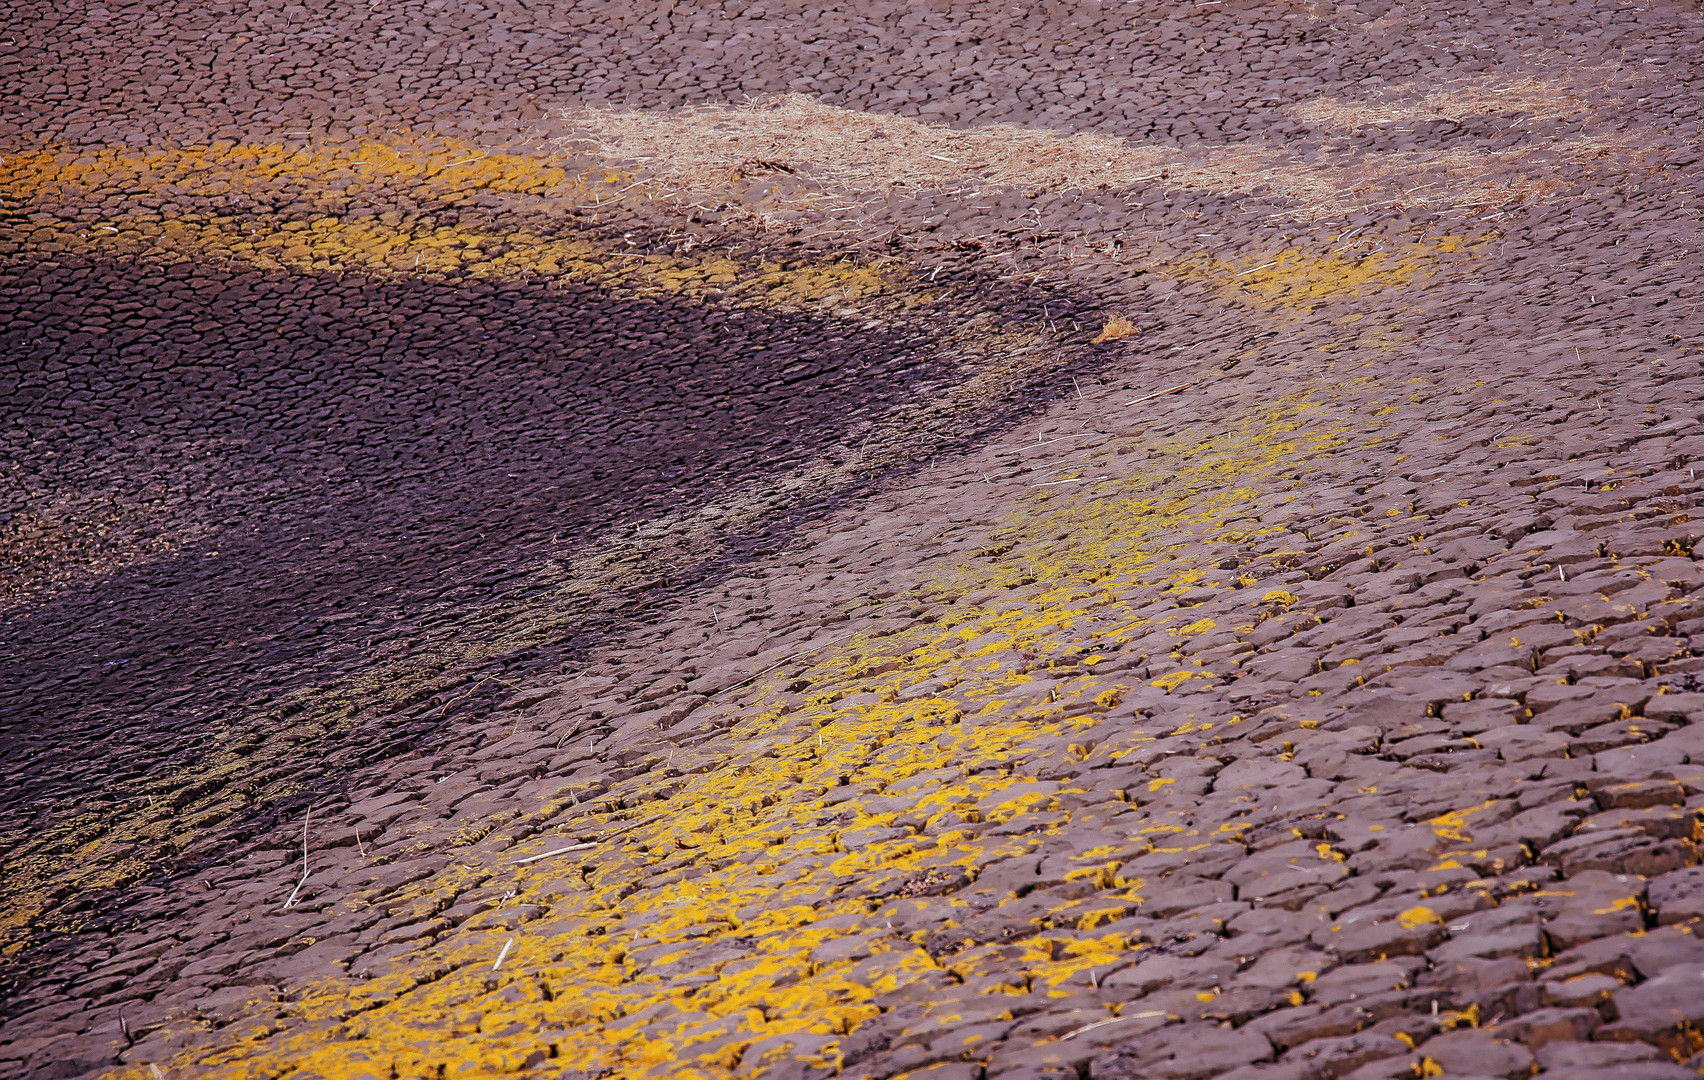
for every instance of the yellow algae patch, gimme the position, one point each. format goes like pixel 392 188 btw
pixel 333 245
pixel 1212 481
pixel 760 904
pixel 367 246
pixel 1298 279
pixel 323 179
pixel 173 205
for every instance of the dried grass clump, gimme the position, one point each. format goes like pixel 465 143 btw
pixel 844 158
pixel 1539 99
pixel 701 147
pixel 1117 326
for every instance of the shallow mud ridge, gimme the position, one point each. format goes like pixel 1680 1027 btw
pixel 1079 540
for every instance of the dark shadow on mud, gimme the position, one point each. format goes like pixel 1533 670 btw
pixel 345 471
pixel 345 451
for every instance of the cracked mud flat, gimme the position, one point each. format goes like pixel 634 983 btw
pixel 954 541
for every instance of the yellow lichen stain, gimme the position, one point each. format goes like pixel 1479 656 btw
pixel 1173 680
pixel 1417 916
pixel 737 875
pixel 1453 825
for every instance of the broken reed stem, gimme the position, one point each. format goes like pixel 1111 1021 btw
pixel 1074 480
pixel 292 900
pixel 507 945
pixel 1148 1014
pixel 780 663
pixel 471 689
pixel 556 851
pixel 1160 393
pixel 629 827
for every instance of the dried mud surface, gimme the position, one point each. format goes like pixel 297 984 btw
pixel 962 541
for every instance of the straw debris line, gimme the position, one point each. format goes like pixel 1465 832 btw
pixel 847 156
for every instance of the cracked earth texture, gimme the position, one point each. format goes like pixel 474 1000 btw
pixel 1111 541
